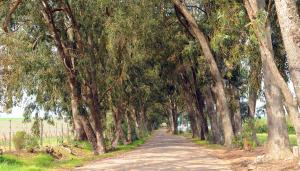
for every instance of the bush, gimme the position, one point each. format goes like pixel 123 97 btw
pixel 32 143
pixel 245 140
pixel 261 126
pixel 291 129
pixel 19 140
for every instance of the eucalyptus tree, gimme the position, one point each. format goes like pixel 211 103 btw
pixel 214 71
pixel 78 48
pixel 276 90
pixel 289 22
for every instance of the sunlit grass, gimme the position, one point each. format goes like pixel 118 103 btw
pixel 43 162
pixel 262 138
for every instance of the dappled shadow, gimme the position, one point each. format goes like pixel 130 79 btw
pixel 162 152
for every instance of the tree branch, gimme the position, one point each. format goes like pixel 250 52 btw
pixel 9 16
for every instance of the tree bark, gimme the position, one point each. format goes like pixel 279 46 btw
pixel 251 111
pixel 275 87
pixel 215 73
pixel 81 118
pixel 119 134
pixel 189 102
pixel 236 110
pixel 133 113
pixel 202 117
pixel 289 22
pixel 129 131
pixel 217 136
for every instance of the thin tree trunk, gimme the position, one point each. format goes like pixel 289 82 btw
pixel 136 123
pixel 170 119
pixel 175 117
pixel 215 73
pixel 129 131
pixel 251 111
pixel 189 102
pixel 119 134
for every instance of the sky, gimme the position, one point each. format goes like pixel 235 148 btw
pixel 17 112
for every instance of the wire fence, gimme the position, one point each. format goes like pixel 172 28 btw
pixel 50 134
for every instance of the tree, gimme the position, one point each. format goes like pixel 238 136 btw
pixel 215 73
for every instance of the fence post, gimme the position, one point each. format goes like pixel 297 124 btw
pixel 62 133
pixel 68 135
pixel 41 136
pixel 56 134
pixel 10 135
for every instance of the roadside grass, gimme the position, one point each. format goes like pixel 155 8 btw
pixel 262 138
pixel 201 142
pixel 42 162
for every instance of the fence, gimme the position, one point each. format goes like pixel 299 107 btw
pixel 50 135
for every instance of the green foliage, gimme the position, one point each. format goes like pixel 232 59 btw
pixel 261 126
pixel 32 143
pixel 35 128
pixel 263 137
pixel 245 136
pixel 19 140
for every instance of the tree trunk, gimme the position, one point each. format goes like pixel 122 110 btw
pixel 175 118
pixel 236 110
pixel 133 113
pixel 95 119
pixel 217 136
pixel 129 132
pixel 215 73
pixel 201 114
pixel 144 121
pixel 119 134
pixel 251 111
pixel 189 102
pixel 289 22
pixel 278 142
pixel 82 118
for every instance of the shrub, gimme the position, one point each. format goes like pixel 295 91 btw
pixel 261 126
pixel 19 140
pixel 32 143
pixel 245 140
pixel 291 129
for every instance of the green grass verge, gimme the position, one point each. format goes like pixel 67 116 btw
pixel 201 142
pixel 262 138
pixel 44 162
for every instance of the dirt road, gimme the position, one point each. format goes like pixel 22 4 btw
pixel 162 152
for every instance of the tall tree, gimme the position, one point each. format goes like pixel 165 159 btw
pixel 214 71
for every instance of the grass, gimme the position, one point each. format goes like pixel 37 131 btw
pixel 262 138
pixel 201 142
pixel 44 162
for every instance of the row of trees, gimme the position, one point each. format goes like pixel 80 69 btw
pixel 144 62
